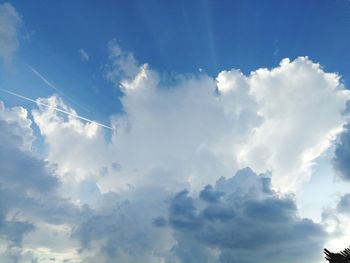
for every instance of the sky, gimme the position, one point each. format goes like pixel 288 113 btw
pixel 174 131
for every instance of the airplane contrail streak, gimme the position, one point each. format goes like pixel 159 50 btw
pixel 47 82
pixel 55 108
pixel 44 79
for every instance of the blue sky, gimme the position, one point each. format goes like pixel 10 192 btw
pixel 174 131
pixel 178 37
pixel 175 36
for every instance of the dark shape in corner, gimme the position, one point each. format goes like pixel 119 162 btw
pixel 341 257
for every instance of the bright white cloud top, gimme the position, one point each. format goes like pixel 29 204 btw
pixel 195 168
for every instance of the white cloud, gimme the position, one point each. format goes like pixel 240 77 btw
pixel 277 120
pixel 79 149
pixel 184 135
pixel 29 200
pixel 177 135
pixel 301 106
pixel 21 133
pixel 10 22
pixel 335 218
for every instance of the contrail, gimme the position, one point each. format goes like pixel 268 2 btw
pixel 44 79
pixel 55 108
pixel 47 82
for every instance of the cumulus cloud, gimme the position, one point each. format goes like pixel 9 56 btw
pixel 28 189
pixel 10 22
pixel 114 190
pixel 21 171
pixel 297 125
pixel 249 223
pixel 87 155
pixel 117 230
pixel 200 127
pixel 272 120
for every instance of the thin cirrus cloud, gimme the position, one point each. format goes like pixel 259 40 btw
pixel 10 22
pixel 84 56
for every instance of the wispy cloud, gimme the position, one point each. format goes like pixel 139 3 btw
pixel 10 22
pixel 83 55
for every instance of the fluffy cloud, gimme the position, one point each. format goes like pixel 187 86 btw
pixel 21 171
pixel 200 128
pixel 28 190
pixel 248 222
pixel 10 22
pixel 80 152
pixel 114 191
pixel 117 230
pixel 297 125
pixel 272 120
pixel 335 220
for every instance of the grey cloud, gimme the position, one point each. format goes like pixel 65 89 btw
pixel 249 223
pixel 125 227
pixel 26 181
pixel 344 204
pixel 182 212
pixel 341 160
pixel 159 221
pixel 20 170
pixel 209 195
pixel 218 213
pixel 15 230
pixel 21 173
pixel 28 186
